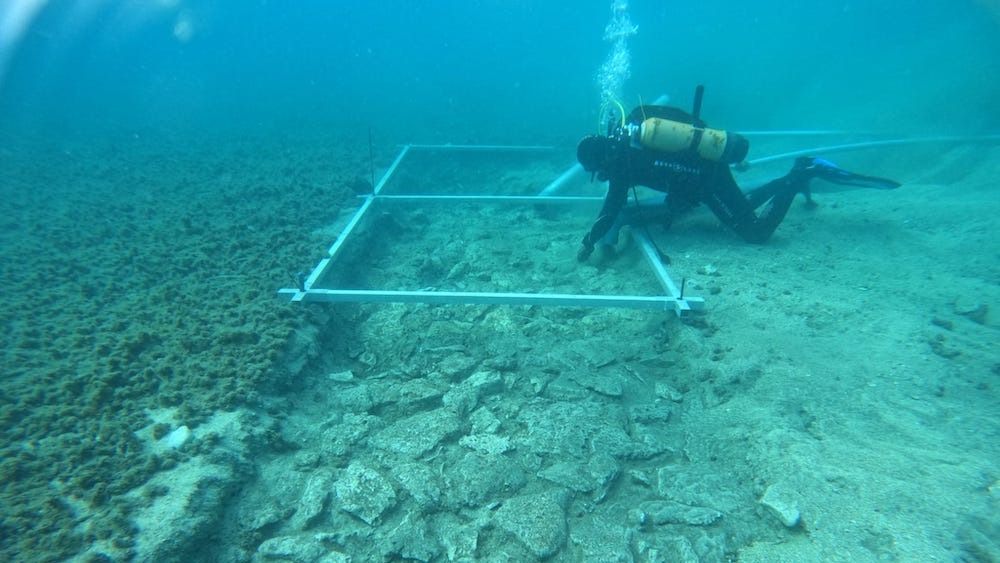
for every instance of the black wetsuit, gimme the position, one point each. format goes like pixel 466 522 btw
pixel 689 180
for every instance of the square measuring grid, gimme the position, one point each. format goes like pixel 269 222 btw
pixel 454 184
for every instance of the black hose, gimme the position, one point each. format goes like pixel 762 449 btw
pixel 699 93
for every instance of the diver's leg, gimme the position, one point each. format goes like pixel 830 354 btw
pixel 757 196
pixel 796 181
pixel 736 210
pixel 807 168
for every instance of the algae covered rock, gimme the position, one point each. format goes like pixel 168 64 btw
pixel 538 521
pixel 313 499
pixel 476 479
pixel 185 503
pixel 416 435
pixel 608 384
pixel 420 482
pixel 486 443
pixel 365 493
pixel 295 549
pixel 412 541
pixel 596 474
pixel 669 512
pixel 562 428
pixel 310 548
pixel 341 439
pixel 602 539
pixel 463 398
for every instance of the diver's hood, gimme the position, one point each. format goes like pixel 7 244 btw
pixel 593 152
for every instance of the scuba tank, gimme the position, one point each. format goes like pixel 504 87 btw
pixel 656 133
pixel 711 144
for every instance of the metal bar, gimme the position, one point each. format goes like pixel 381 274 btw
pixel 877 144
pixel 325 263
pixel 802 133
pixel 483 147
pixel 654 261
pixel 660 302
pixel 317 273
pixel 512 198
pixel 684 303
pixel 337 244
pixel 309 293
pixel 391 170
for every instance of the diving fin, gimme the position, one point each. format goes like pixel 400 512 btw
pixel 826 170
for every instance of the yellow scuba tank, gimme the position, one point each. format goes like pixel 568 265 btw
pixel 674 136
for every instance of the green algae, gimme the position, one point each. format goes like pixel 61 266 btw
pixel 140 280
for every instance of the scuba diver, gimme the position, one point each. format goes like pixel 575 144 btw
pixel 672 151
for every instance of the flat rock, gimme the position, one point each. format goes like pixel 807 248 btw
pixel 571 475
pixel 779 502
pixel 341 376
pixel 420 482
pixel 563 388
pixel 487 443
pixel 651 413
pixel 460 400
pixel 459 538
pixel 666 391
pixel 602 540
pixel 340 439
pixel 455 366
pixel 485 383
pixel 335 557
pixel 478 479
pixel 416 435
pixel 595 356
pixel 695 488
pixel 582 478
pixel 669 512
pixel 465 396
pixel 295 549
pixel 607 384
pixel 615 441
pixel 567 428
pixel 415 392
pixel 306 548
pixel 313 499
pixel 174 526
pixel 484 421
pixel 355 399
pixel 677 549
pixel 365 493
pixel 411 541
pixel 538 521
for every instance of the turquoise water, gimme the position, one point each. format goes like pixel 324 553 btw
pixel 166 166
pixel 463 68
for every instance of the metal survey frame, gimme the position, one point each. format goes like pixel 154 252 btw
pixel 674 299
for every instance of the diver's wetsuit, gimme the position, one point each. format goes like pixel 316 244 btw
pixel 689 180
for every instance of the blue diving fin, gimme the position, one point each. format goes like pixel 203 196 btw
pixel 826 170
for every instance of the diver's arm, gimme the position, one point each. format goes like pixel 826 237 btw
pixel 613 203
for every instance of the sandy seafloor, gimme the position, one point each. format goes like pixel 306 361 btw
pixel 837 400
